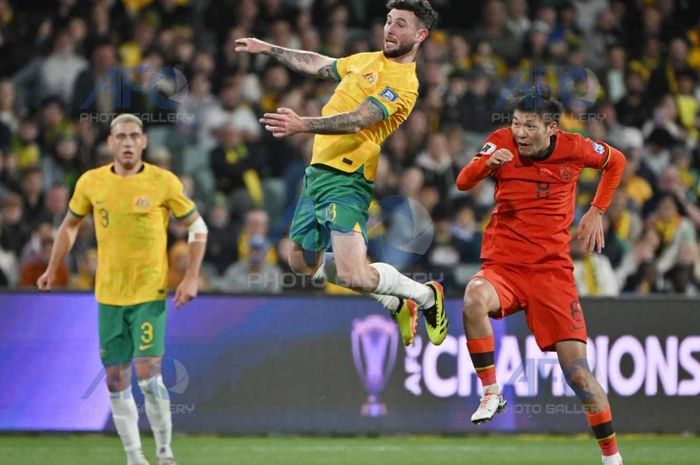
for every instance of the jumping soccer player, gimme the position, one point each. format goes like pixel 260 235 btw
pixel 130 202
pixel 525 251
pixel 377 92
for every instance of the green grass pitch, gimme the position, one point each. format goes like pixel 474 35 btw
pixel 486 450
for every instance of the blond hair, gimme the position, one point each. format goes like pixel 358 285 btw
pixel 126 118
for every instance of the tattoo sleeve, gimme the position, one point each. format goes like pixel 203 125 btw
pixel 309 63
pixel 367 114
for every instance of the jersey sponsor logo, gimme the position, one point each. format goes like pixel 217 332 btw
pixel 99 202
pixel 389 94
pixel 487 149
pixel 145 346
pixel 599 148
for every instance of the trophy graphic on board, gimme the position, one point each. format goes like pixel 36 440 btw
pixel 374 344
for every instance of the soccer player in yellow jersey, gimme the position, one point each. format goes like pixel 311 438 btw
pixel 130 202
pixel 375 94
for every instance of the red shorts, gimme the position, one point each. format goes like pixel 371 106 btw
pixel 546 293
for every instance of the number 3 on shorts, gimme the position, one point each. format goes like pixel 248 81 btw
pixel 147 332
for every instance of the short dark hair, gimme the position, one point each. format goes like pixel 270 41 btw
pixel 539 100
pixel 421 8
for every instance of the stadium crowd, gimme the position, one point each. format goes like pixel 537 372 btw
pixel 626 71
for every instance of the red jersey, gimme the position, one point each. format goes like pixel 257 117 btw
pixel 535 199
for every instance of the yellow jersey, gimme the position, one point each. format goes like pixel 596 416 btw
pixel 131 220
pixel 392 86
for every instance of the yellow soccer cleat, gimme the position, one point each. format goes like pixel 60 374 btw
pixel 435 316
pixel 406 317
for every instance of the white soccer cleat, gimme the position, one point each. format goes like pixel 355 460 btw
pixel 166 461
pixel 141 460
pixel 491 404
pixel 612 459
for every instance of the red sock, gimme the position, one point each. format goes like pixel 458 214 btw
pixel 602 426
pixel 481 351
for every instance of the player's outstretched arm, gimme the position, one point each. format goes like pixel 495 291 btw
pixel 309 63
pixel 65 238
pixel 197 243
pixel 286 123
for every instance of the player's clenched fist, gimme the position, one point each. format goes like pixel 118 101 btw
pixel 499 158
pixel 251 45
pixel 45 281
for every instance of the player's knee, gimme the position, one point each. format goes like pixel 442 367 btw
pixel 118 380
pixel 475 304
pixel 580 379
pixel 147 369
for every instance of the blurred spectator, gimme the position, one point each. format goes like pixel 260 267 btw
pixel 467 229
pixel 257 223
pixel 31 271
pixel 636 272
pixel 254 273
pixel 687 104
pixel 55 206
pixel 656 155
pixel 615 73
pixel 230 113
pixel 601 38
pixel 235 171
pixel 681 278
pixel 61 68
pixel 493 30
pixel 221 245
pixel 24 143
pixel 593 272
pixel 53 123
pixel 436 164
pixel 177 266
pixel 32 194
pixel 518 22
pixel 87 270
pixel 9 115
pixel 98 88
pixel 674 230
pixel 633 108
pixel 64 165
pixel 664 79
pixel 479 101
pixel 14 233
pixel 32 249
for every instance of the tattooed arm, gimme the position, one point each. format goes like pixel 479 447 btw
pixel 301 61
pixel 286 123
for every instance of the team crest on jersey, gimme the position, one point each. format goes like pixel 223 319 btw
pixel 599 148
pixel 142 202
pixel 371 77
pixel 565 173
pixel 389 94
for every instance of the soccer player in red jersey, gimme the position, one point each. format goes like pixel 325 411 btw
pixel 525 250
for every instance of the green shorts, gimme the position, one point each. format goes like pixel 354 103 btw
pixel 330 201
pixel 131 331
